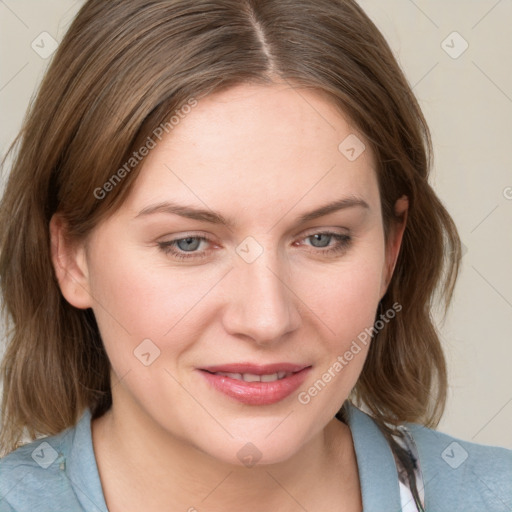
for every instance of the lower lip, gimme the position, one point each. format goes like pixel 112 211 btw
pixel 257 393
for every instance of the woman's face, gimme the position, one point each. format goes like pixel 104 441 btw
pixel 227 253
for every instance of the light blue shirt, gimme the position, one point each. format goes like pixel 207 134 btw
pixel 59 473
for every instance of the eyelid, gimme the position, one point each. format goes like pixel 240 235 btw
pixel 180 236
pixel 333 231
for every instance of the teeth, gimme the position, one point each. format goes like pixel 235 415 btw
pixel 251 377
pixel 237 376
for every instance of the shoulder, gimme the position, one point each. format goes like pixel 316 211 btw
pixel 32 476
pixel 457 475
pixel 460 474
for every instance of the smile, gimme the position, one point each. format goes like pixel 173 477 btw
pixel 256 385
pixel 251 377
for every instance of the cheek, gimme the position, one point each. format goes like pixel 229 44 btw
pixel 348 309
pixel 344 297
pixel 343 300
pixel 137 300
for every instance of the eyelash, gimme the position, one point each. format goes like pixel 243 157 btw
pixel 344 242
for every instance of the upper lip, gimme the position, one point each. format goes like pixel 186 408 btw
pixel 255 369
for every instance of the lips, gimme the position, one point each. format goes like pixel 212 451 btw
pixel 256 384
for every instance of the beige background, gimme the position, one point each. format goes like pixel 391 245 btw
pixel 468 103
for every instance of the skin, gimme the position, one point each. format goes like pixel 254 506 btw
pixel 262 156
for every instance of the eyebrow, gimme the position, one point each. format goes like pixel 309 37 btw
pixel 213 217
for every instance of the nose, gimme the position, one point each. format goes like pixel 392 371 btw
pixel 261 303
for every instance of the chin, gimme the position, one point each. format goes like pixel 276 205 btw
pixel 267 443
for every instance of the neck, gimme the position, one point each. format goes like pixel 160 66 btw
pixel 134 454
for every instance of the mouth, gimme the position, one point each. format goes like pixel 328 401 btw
pixel 256 385
pixel 252 377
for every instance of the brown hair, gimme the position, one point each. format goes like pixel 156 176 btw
pixel 123 68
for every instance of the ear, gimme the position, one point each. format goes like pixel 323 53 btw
pixel 70 264
pixel 394 242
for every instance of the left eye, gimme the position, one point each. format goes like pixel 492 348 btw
pixel 186 245
pixel 320 238
pixel 322 241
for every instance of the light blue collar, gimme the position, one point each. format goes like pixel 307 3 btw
pixel 82 469
pixel 377 468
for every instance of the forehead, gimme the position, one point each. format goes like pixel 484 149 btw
pixel 263 148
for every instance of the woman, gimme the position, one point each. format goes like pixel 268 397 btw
pixel 218 239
